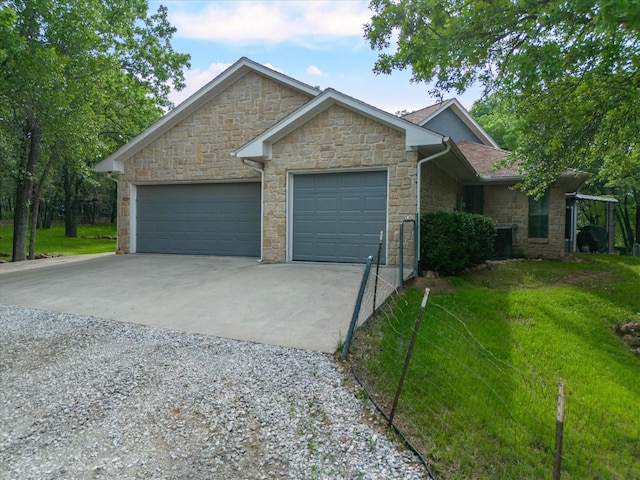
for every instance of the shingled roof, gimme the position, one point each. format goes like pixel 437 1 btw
pixel 420 115
pixel 482 158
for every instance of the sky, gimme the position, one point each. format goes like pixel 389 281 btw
pixel 319 42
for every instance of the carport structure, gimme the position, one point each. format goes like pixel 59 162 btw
pixel 571 228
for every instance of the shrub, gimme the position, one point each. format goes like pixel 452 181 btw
pixel 453 241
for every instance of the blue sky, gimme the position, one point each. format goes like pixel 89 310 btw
pixel 315 41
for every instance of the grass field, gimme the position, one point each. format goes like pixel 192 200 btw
pixel 91 239
pixel 480 395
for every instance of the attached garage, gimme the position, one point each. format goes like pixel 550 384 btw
pixel 338 217
pixel 199 219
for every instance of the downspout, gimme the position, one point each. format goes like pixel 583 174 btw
pixel 259 167
pixel 445 142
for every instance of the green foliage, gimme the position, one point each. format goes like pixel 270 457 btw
pixel 500 120
pixel 569 69
pixel 479 399
pixel 78 80
pixel 453 241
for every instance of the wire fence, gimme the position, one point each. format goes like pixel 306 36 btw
pixel 468 411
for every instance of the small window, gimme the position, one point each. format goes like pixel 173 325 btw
pixel 539 217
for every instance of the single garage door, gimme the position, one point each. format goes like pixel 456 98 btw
pixel 199 219
pixel 338 217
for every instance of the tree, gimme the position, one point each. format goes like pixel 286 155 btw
pixel 499 119
pixel 496 115
pixel 570 69
pixel 64 68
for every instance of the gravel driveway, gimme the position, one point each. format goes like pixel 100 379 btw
pixel 88 398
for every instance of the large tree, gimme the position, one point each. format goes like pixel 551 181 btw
pixel 569 70
pixel 64 67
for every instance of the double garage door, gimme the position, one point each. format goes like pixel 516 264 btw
pixel 336 217
pixel 199 219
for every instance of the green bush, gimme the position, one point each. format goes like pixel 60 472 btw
pixel 453 241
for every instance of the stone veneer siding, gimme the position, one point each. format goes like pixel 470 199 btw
pixel 198 148
pixel 439 191
pixel 508 206
pixel 339 140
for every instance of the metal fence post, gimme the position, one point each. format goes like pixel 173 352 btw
pixel 356 309
pixel 423 305
pixel 375 285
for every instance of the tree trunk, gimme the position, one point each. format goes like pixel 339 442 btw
pixel 24 189
pixel 636 196
pixel 72 207
pixel 35 207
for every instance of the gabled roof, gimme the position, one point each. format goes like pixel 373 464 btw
pixel 425 115
pixel 115 161
pixel 259 148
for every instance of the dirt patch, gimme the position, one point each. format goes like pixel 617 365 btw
pixel 629 332
pixel 432 281
pixel 587 279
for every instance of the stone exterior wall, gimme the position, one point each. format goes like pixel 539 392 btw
pixel 438 191
pixel 339 139
pixel 198 148
pixel 508 206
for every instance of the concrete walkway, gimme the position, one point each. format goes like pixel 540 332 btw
pixel 299 305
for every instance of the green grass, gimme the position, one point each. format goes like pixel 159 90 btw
pixel 480 395
pixel 53 242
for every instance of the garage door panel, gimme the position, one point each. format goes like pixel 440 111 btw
pixel 337 217
pixel 199 219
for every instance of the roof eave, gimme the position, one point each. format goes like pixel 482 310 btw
pixel 110 165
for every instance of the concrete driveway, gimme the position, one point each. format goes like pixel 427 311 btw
pixel 297 305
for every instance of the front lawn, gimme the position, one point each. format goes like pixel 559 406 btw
pixel 480 396
pixel 99 238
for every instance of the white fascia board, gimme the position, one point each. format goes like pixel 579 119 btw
pixel 193 103
pixel 260 147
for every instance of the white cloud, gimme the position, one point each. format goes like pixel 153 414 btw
pixel 196 79
pixel 313 70
pixel 268 65
pixel 249 22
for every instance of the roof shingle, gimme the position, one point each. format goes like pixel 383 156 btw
pixel 482 157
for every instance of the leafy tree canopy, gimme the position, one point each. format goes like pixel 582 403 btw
pixel 569 71
pixel 77 79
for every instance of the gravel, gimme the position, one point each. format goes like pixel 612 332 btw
pixel 83 397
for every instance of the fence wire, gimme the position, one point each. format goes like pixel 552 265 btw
pixel 465 408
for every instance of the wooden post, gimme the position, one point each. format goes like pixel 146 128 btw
pixel 557 464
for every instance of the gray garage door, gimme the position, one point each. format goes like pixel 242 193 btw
pixel 338 217
pixel 200 219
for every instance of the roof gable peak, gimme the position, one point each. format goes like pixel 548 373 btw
pixel 423 116
pixel 115 161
